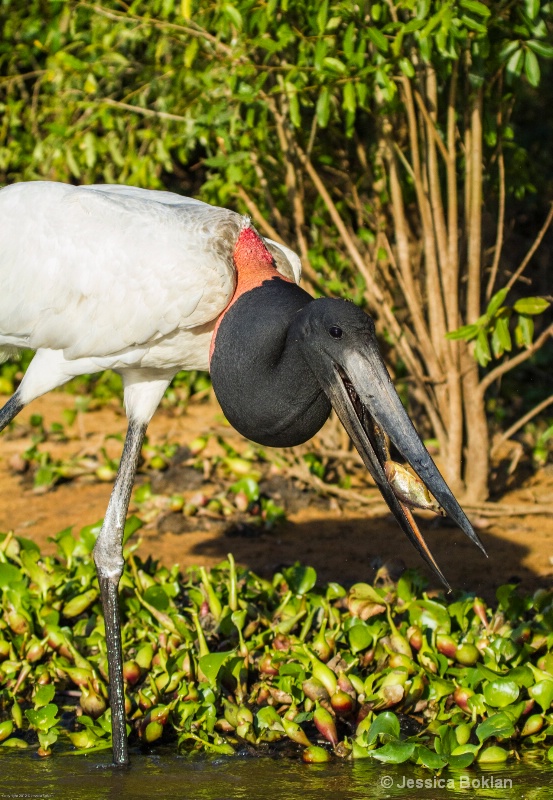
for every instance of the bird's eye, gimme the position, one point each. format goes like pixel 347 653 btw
pixel 335 332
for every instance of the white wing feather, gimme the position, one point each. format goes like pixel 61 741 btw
pixel 62 246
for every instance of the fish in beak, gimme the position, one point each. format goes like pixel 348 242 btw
pixel 340 345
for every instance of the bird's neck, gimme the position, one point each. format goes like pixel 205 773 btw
pixel 254 265
pixel 263 383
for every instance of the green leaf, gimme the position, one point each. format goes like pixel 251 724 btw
pixel 239 618
pixel 349 102
pixel 428 758
pixel 44 695
pixel 532 68
pixel 132 525
pixel 378 39
pixel 429 614
pixel 466 332
pixel 498 724
pixel 406 66
pixel 524 331
pixel 475 7
pixel 334 65
pixel 232 13
pixel 47 739
pixel 476 703
pixel 8 575
pixel 508 49
pixel 359 637
pixel 482 349
pixel 87 536
pixel 501 337
pixel 349 41
pixel 294 105
pixel 211 664
pixel 497 301
pixel 322 16
pixel 386 725
pixel 249 486
pixel 323 107
pixel 35 572
pixel 463 749
pixel 461 761
pixel 522 675
pixel 394 752
pixel 79 603
pixel 44 718
pixel 493 755
pixel 543 49
pixel 532 8
pixel 501 693
pixel 440 688
pixel 334 591
pixel 267 717
pixel 157 597
pixel 515 63
pixel 473 25
pixel 531 305
pixel 300 579
pixel 542 692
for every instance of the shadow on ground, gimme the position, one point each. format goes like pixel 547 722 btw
pixel 352 549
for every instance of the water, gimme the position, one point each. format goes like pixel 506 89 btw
pixel 168 776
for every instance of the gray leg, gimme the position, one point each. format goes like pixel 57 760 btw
pixel 10 410
pixel 108 555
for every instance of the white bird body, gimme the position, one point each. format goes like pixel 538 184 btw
pixel 114 277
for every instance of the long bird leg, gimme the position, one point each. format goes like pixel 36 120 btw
pixel 10 411
pixel 108 555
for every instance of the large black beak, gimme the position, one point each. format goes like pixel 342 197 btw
pixel 367 404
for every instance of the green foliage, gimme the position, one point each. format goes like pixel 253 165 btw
pixel 216 660
pixel 493 326
pixel 133 94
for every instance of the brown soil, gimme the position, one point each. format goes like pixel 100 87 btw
pixel 341 542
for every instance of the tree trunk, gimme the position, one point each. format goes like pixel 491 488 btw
pixel 477 450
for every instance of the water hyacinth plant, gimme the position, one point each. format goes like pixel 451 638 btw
pixel 226 661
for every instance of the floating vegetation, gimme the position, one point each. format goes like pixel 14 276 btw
pixel 225 660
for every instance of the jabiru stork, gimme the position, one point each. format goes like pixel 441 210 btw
pixel 148 283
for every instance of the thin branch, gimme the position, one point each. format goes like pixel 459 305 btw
pixel 501 209
pixel 189 30
pixel 500 227
pixel 411 125
pixel 431 127
pixel 145 112
pixel 436 201
pixel 500 510
pixel 258 217
pixel 436 315
pixel 537 241
pixel 20 76
pixel 404 271
pixel 291 181
pixel 264 183
pixel 374 500
pixel 450 279
pixel 521 422
pixel 340 226
pixel 506 366
pixel 452 282
pixel 475 219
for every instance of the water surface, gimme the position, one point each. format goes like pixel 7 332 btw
pixel 166 776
